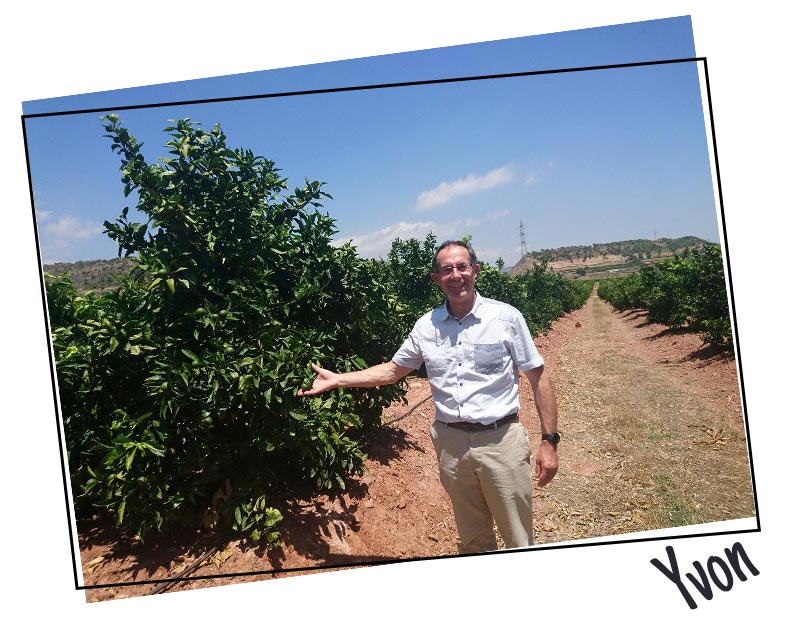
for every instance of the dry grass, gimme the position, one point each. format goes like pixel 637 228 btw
pixel 641 448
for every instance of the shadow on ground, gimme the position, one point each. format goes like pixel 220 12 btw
pixel 386 443
pixel 154 556
pixel 310 525
pixel 711 353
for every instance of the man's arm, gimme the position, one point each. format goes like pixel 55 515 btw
pixel 546 459
pixel 380 375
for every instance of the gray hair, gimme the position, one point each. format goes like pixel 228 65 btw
pixel 453 243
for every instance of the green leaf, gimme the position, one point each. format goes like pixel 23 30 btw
pixel 156 450
pixel 272 517
pixel 192 356
pixel 171 285
pixel 130 458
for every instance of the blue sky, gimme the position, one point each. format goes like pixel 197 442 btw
pixel 578 157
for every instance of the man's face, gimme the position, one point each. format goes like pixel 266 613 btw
pixel 456 276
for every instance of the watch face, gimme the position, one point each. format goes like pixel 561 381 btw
pixel 551 437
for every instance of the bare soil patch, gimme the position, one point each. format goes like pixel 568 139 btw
pixel 652 437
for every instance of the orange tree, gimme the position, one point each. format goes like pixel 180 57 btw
pixel 408 267
pixel 183 379
pixel 687 290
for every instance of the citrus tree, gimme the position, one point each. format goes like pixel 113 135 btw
pixel 687 290
pixel 178 388
pixel 408 266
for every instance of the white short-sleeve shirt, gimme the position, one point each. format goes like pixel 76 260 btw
pixel 472 363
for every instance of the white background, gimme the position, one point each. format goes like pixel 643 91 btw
pixel 55 50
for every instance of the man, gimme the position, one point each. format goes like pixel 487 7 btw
pixel 474 349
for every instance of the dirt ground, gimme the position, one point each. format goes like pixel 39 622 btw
pixel 652 436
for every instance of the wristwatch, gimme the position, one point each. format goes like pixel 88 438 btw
pixel 552 438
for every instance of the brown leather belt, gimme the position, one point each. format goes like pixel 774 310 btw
pixel 471 426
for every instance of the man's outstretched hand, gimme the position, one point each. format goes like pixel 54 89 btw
pixel 325 380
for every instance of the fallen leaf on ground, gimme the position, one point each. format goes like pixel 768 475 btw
pixel 220 557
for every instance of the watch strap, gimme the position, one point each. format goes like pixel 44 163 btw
pixel 553 438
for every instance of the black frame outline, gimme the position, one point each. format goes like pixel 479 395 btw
pixel 704 62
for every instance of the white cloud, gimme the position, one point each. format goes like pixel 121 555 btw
pixel 67 230
pixel 376 244
pixel 71 228
pixel 447 191
pixel 43 215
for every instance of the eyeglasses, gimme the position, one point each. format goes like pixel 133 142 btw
pixel 446 271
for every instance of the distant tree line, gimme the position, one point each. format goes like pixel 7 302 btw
pixel 632 250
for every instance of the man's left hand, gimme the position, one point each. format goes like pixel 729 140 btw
pixel 545 463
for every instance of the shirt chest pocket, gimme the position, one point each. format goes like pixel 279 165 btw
pixel 490 359
pixel 437 360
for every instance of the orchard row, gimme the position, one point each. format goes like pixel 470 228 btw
pixel 685 291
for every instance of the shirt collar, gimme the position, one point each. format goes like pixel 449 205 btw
pixel 474 310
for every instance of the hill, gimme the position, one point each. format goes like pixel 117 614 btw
pixel 95 275
pixel 607 258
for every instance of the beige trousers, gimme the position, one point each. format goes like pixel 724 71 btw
pixel 487 475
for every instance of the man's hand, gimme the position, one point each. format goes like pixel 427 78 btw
pixel 545 463
pixel 378 375
pixel 325 380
